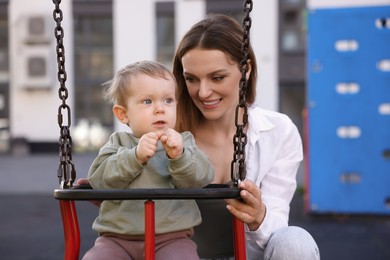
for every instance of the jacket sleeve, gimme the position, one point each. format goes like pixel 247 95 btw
pixel 193 169
pixel 116 165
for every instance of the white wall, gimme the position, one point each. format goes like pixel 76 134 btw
pixel 134 35
pixel 134 31
pixel 33 112
pixel 264 39
pixel 187 13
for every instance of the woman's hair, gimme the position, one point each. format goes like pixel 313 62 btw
pixel 117 89
pixel 215 32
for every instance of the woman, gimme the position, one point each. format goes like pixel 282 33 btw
pixel 207 68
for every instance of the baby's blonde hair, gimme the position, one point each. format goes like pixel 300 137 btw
pixel 117 89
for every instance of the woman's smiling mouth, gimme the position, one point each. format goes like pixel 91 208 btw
pixel 211 104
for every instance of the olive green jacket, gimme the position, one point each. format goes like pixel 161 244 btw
pixel 116 167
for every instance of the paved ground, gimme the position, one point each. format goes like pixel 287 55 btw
pixel 31 228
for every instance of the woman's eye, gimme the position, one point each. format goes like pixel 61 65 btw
pixel 218 78
pixel 189 79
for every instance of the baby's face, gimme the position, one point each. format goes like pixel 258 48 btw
pixel 151 106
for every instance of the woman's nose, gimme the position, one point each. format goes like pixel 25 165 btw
pixel 204 90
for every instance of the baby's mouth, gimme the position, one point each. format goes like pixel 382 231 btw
pixel 159 123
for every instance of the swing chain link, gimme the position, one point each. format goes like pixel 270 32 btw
pixel 65 141
pixel 238 169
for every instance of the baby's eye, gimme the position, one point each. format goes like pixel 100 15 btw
pixel 168 101
pixel 146 101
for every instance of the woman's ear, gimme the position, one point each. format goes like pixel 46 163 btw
pixel 248 72
pixel 121 114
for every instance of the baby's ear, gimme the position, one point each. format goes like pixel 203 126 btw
pixel 121 114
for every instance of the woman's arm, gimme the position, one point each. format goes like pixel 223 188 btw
pixel 266 199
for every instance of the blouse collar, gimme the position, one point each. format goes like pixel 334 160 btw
pixel 258 122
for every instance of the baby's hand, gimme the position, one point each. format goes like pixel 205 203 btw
pixel 172 143
pixel 147 146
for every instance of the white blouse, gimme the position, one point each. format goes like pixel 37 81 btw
pixel 273 155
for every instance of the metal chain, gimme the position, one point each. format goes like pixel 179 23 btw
pixel 65 141
pixel 238 169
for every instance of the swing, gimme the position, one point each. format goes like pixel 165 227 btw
pixel 67 194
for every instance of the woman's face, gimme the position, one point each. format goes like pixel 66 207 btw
pixel 212 81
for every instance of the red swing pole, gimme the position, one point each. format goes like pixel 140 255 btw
pixel 239 239
pixel 71 229
pixel 149 230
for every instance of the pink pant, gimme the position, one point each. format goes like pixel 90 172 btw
pixel 175 245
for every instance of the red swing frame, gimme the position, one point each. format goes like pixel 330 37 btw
pixel 70 222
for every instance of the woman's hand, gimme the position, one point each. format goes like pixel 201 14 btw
pixel 85 181
pixel 250 209
pixel 82 181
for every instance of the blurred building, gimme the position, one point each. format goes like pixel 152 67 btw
pixel 103 35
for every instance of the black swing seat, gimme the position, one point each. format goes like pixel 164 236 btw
pixel 85 192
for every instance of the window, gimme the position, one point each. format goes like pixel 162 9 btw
pixel 165 32
pixel 292 53
pixel 93 47
pixel 4 79
pixel 232 8
pixel 4 51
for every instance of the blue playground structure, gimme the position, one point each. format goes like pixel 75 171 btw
pixel 348 110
